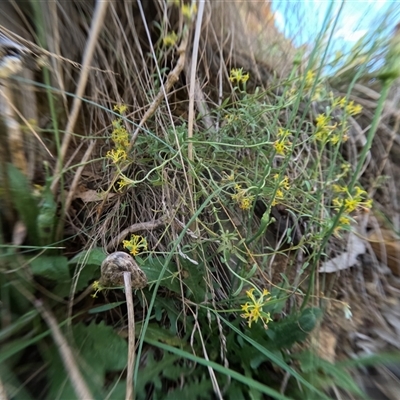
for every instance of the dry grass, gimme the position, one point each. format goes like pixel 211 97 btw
pixel 119 58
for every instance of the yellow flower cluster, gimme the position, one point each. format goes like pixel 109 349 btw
pixel 350 108
pixel 120 137
pixel 309 84
pixel 135 244
pixel 189 10
pixel 238 76
pixel 170 39
pixel 282 144
pixel 334 133
pixel 351 202
pixel 283 186
pixel 124 181
pixel 324 130
pixel 253 309
pixel 117 155
pixel 97 287
pixel 310 78
pixel 230 118
pixel 358 201
pixel 241 197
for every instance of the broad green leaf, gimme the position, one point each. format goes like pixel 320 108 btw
pixel 192 390
pixel 99 349
pixel 194 281
pixel 87 263
pixel 87 273
pixel 51 267
pixel 151 373
pixel 93 256
pixel 219 368
pixel 152 266
pixel 294 328
pixel 155 332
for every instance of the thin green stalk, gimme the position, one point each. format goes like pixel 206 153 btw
pixel 38 16
pixel 371 134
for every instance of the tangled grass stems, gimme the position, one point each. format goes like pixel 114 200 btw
pixel 220 209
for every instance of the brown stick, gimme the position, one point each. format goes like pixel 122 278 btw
pixel 97 25
pixel 77 381
pixel 142 226
pixel 130 392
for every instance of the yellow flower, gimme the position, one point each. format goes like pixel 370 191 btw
pixel 339 102
pixel 310 76
pixel 237 75
pixel 120 135
pixel 283 133
pixel 253 310
pixel 345 167
pixel 244 200
pixel 170 39
pixel 97 287
pixel 228 178
pixel 280 147
pixel 246 203
pixel 343 223
pixel 338 189
pixel 337 202
pixel 265 292
pixel 353 109
pixel 322 120
pixel 120 108
pixel 285 183
pixel 117 155
pixel 189 10
pixel 350 204
pixel 250 295
pixel 124 181
pixel 135 244
pixel 343 220
pixel 335 139
pixel 360 192
pixel 368 203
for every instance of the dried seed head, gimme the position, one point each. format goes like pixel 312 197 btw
pixel 114 266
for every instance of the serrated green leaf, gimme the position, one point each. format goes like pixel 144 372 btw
pixel 88 262
pixel 295 328
pixel 93 256
pixel 87 273
pixel 99 349
pixel 194 281
pixel 152 266
pixel 192 390
pixel 155 332
pixel 152 372
pixel 51 267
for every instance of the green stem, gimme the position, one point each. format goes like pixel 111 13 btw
pixel 371 134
